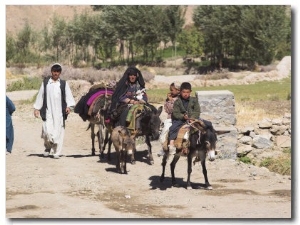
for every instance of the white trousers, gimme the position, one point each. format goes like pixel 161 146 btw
pixel 164 133
pixel 49 142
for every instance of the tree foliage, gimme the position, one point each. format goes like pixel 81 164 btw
pixel 192 42
pixel 250 33
pixel 225 34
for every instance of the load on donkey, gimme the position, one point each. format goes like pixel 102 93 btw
pixel 93 107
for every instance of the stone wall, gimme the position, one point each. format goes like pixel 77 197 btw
pixel 266 139
pixel 219 108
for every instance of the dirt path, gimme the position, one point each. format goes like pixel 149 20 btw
pixel 78 185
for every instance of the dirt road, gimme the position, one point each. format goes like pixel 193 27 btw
pixel 78 185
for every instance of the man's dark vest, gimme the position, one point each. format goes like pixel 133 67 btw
pixel 63 99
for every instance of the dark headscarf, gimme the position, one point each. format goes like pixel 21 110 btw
pixel 123 84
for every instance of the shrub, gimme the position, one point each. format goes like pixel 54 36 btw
pixel 281 165
pixel 27 83
pixel 245 159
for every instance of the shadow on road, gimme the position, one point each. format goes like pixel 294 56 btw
pixel 167 183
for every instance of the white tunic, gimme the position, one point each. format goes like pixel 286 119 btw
pixel 53 126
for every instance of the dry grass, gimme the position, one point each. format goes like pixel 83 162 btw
pixel 243 113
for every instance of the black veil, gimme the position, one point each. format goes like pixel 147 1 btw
pixel 122 85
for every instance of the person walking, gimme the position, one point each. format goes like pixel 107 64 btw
pixel 54 103
pixel 10 108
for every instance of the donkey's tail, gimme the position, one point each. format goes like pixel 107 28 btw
pixel 88 127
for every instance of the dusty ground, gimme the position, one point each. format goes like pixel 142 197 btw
pixel 78 185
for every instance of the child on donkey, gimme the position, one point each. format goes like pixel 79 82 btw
pixel 168 106
pixel 186 109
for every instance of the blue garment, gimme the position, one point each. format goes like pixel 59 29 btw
pixel 10 108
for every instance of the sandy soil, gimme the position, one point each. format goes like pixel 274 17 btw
pixel 78 185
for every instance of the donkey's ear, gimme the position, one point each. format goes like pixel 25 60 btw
pixel 159 110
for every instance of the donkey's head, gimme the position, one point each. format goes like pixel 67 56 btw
pixel 151 122
pixel 204 138
pixel 210 142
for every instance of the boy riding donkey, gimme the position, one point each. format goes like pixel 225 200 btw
pixel 186 109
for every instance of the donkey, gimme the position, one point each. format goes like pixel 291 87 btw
pixel 202 143
pixel 124 144
pixel 149 127
pixel 148 124
pixel 97 119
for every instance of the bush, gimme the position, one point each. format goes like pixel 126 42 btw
pixel 245 159
pixel 281 165
pixel 27 83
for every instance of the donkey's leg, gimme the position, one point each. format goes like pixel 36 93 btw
pixel 123 159
pixel 163 163
pixel 106 139
pixel 125 162
pixel 204 171
pixel 101 155
pixel 93 138
pixel 150 157
pixel 172 165
pixel 189 171
pixel 101 140
pixel 118 161
pixel 109 149
pixel 132 159
pixel 132 153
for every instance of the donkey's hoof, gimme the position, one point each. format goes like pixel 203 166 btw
pixel 133 162
pixel 208 188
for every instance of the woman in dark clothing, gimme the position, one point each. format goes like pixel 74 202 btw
pixel 126 94
pixel 10 108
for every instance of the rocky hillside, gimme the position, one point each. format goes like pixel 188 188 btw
pixel 39 15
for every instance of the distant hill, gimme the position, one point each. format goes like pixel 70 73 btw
pixel 39 15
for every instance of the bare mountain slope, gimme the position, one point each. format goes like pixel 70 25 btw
pixel 39 15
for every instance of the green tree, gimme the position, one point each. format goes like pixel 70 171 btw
pixel 208 19
pixel 191 41
pixel 11 49
pixel 265 27
pixel 58 35
pixel 173 24
pixel 104 39
pixel 150 30
pixel 139 29
pixel 23 43
pixel 253 33
pixel 26 45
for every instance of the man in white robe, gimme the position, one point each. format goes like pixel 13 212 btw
pixel 54 112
